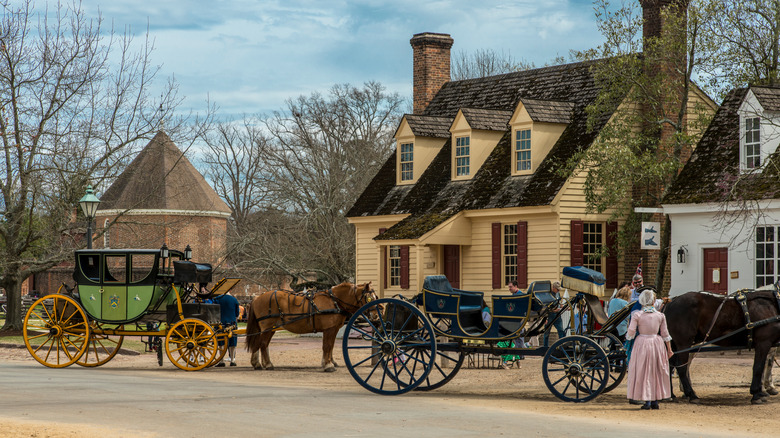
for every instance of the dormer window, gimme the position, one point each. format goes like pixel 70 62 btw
pixel 407 161
pixel 542 120
pixel 462 157
pixel 523 149
pixel 752 144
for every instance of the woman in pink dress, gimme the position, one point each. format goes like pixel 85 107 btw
pixel 648 368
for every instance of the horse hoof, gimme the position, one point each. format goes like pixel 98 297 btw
pixel 257 367
pixel 757 401
pixel 330 369
pixel 694 401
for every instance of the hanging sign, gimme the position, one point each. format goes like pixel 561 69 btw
pixel 651 235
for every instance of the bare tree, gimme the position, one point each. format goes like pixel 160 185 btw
pixel 73 100
pixel 485 62
pixel 314 159
pixel 235 161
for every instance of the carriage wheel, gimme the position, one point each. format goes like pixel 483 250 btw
pixel 618 365
pixel 575 368
pixel 101 348
pixel 449 360
pixel 191 344
pixel 394 350
pixel 56 331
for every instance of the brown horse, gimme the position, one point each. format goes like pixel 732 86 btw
pixel 697 317
pixel 322 311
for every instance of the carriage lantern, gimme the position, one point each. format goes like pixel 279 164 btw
pixel 188 253
pixel 89 204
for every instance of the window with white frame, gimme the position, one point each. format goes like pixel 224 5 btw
pixel 752 143
pixel 407 161
pixel 395 265
pixel 509 253
pixel 766 255
pixel 462 160
pixel 523 149
pixel 592 245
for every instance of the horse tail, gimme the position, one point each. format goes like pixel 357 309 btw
pixel 252 329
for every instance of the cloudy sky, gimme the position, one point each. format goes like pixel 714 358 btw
pixel 248 56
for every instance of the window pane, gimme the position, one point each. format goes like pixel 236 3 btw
pixel 509 253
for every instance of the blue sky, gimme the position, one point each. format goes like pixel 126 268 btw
pixel 248 56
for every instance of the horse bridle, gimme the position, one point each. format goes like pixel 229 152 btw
pixel 366 296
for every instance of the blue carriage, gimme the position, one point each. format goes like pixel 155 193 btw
pixel 420 343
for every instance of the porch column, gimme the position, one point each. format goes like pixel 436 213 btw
pixel 419 266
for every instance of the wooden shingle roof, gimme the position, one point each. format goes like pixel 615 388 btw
pixel 768 97
pixel 424 126
pixel 550 111
pixel 435 197
pixel 713 169
pixel 490 120
pixel 162 178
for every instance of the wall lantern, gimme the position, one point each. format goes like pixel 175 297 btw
pixel 681 254
pixel 188 253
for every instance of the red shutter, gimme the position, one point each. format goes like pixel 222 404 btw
pixel 577 228
pixel 405 267
pixel 384 262
pixel 612 262
pixel 522 254
pixel 496 255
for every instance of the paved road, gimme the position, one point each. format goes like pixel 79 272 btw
pixel 172 403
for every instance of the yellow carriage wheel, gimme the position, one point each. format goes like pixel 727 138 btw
pixel 191 344
pixel 101 347
pixel 56 331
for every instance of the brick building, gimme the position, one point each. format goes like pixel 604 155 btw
pixel 160 198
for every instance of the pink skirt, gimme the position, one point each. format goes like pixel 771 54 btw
pixel 648 369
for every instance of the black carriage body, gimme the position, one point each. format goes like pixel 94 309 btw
pixel 123 285
pixel 185 271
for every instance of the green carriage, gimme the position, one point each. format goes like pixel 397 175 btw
pixel 152 293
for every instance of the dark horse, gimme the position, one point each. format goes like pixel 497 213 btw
pixel 321 311
pixel 697 317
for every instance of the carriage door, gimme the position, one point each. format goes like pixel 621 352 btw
pixel 452 264
pixel 716 265
pixel 114 288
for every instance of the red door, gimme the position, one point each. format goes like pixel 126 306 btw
pixel 716 265
pixel 452 264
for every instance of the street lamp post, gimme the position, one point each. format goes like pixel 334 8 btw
pixel 89 204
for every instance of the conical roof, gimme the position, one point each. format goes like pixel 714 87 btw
pixel 162 178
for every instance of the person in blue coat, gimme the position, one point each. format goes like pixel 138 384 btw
pixel 229 311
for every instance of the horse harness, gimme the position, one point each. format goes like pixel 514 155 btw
pixel 741 297
pixel 313 308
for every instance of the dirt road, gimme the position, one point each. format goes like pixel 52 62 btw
pixel 721 381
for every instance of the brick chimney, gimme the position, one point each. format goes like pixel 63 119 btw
pixel 431 66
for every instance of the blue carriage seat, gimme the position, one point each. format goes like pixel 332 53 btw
pixel 542 293
pixel 463 307
pixel 510 312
